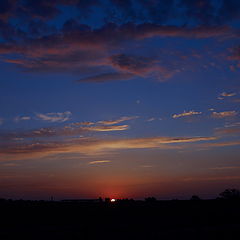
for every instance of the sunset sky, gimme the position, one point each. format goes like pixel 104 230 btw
pixel 119 98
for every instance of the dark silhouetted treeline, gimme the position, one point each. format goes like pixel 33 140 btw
pixel 124 219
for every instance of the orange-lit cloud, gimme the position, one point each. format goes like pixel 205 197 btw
pixel 225 94
pixel 106 128
pixel 224 114
pixel 228 131
pixel 90 146
pixel 141 66
pixel 116 121
pixel 99 162
pixel 72 129
pixel 186 114
pixel 220 144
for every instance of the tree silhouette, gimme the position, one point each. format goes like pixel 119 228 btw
pixel 150 199
pixel 230 194
pixel 195 197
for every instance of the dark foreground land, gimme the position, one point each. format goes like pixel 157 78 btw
pixel 203 219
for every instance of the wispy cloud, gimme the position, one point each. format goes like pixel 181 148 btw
pixel 22 118
pixel 225 168
pixel 220 144
pixel 91 146
pixel 225 94
pixel 65 131
pixel 82 124
pixel 146 166
pixel 221 178
pixel 116 121
pixel 186 114
pixel 10 165
pixel 224 114
pixel 72 129
pixel 151 119
pixel 99 162
pixel 231 131
pixel 106 128
pixel 1 121
pixel 235 124
pixel 54 117
pixel 142 66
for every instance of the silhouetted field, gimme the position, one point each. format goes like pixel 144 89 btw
pixel 203 219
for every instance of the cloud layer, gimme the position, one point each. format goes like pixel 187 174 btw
pixel 71 129
pixel 32 40
pixel 89 146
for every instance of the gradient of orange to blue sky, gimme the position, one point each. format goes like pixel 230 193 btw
pixel 119 98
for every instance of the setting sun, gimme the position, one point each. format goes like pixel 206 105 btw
pixel 113 200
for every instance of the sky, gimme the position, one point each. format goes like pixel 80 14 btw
pixel 119 98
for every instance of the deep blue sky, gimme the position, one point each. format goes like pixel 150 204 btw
pixel 115 98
